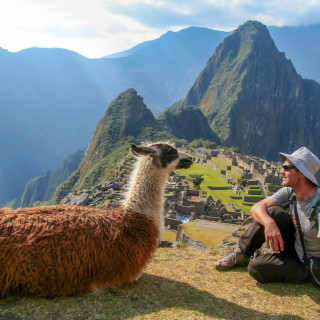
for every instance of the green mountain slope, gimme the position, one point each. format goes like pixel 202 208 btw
pixel 43 187
pixel 52 99
pixel 127 120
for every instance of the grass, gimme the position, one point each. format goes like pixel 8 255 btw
pixel 178 284
pixel 212 178
pixel 216 161
pixel 169 235
pixel 207 235
pixel 254 187
pixel 202 231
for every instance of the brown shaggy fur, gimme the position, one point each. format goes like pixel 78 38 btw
pixel 68 250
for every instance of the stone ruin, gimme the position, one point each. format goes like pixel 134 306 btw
pixel 184 200
pixel 194 204
pixel 252 167
pixel 180 198
pixel 107 190
pixel 217 211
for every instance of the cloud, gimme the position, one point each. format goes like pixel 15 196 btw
pixel 218 13
pixel 96 28
pixel 85 26
pixel 161 14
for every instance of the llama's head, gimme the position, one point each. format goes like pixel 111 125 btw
pixel 164 155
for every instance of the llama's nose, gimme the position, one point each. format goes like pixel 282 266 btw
pixel 187 157
pixel 185 163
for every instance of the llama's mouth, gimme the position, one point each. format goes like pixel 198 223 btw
pixel 184 163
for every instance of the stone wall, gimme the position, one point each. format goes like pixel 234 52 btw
pixel 172 223
pixel 199 206
pixel 252 198
pixel 187 240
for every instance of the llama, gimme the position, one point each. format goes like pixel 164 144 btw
pixel 66 250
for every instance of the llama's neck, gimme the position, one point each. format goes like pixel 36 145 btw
pixel 146 188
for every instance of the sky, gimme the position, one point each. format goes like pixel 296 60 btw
pixel 96 28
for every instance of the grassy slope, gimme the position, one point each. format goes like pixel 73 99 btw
pixel 217 162
pixel 179 284
pixel 212 178
pixel 169 235
pixel 204 233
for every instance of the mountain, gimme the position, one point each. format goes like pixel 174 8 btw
pixel 127 120
pixel 48 109
pixel 52 99
pixel 162 70
pixel 253 97
pixel 43 187
pixel 186 42
pixel 187 123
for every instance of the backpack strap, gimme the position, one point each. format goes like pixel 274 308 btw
pixel 315 211
pixel 301 236
pixel 290 200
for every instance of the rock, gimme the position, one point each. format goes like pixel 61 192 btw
pixel 81 200
pixel 166 244
pixel 97 194
pixel 209 200
pixel 69 199
pixel 188 241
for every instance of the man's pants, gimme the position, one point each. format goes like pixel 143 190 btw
pixel 274 267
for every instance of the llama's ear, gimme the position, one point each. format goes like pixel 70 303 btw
pixel 142 151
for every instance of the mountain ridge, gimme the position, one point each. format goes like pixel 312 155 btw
pixel 244 117
pixel 43 187
pixel 127 120
pixel 52 99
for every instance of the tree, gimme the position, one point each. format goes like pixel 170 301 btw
pixel 235 149
pixel 197 179
pixel 198 143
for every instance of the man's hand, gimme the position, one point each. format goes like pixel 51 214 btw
pixel 271 231
pixel 273 237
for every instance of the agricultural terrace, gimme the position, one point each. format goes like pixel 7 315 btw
pixel 213 179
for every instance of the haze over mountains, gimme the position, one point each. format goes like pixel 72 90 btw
pixel 51 99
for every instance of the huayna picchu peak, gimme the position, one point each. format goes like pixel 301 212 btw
pixel 126 120
pixel 253 97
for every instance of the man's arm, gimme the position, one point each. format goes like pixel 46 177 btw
pixel 271 230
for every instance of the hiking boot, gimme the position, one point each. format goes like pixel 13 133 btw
pixel 232 260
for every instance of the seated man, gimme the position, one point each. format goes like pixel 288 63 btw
pixel 277 227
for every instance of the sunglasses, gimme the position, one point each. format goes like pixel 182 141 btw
pixel 287 167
